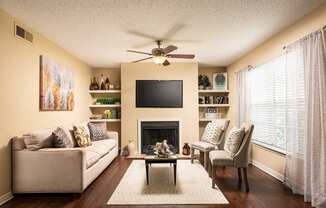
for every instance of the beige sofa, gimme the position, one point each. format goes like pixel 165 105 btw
pixel 59 170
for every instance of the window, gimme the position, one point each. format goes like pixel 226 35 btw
pixel 268 103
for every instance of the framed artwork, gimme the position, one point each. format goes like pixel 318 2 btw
pixel 56 86
pixel 220 81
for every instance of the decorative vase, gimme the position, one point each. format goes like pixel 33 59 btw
pixel 94 85
pixel 186 149
pixel 107 84
pixel 102 83
pixel 131 147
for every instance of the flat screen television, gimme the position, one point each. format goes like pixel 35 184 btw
pixel 159 93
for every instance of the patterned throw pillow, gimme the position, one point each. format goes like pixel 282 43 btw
pixel 234 140
pixel 98 131
pixel 82 136
pixel 212 133
pixel 61 139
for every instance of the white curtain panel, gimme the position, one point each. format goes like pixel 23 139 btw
pixel 243 96
pixel 306 119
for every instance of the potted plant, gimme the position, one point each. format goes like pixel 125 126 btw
pixel 203 82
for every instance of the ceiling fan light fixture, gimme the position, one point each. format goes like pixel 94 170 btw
pixel 159 59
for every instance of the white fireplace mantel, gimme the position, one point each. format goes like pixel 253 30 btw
pixel 158 119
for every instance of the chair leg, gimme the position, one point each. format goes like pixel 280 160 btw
pixel 239 177
pixel 213 175
pixel 245 179
pixel 209 168
pixel 206 160
pixel 223 168
pixel 192 150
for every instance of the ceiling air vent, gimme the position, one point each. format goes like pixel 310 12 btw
pixel 22 33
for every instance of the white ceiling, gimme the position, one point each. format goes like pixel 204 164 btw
pixel 100 31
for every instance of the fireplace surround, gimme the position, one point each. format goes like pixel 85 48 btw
pixel 152 131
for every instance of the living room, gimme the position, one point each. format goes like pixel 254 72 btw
pixel 97 97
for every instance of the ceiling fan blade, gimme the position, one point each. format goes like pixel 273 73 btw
pixel 139 52
pixel 169 49
pixel 143 35
pixel 142 59
pixel 184 56
pixel 175 29
pixel 166 63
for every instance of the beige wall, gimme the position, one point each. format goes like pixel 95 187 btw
pixel 272 48
pixel 188 72
pixel 19 90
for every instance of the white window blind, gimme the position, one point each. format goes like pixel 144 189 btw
pixel 268 103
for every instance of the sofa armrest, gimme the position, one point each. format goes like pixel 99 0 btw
pixel 114 135
pixel 48 171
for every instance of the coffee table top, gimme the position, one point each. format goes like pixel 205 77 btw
pixel 154 157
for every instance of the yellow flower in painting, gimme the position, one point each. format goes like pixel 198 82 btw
pixel 57 97
pixel 70 101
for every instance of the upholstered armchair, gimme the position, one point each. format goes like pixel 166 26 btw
pixel 205 147
pixel 239 160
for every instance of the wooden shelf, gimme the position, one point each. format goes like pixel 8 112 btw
pixel 106 106
pixel 104 91
pixel 209 119
pixel 213 91
pixel 214 105
pixel 105 120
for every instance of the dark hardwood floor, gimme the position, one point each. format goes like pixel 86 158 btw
pixel 265 192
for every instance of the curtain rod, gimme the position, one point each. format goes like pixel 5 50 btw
pixel 323 28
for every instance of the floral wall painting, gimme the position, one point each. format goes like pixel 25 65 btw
pixel 56 86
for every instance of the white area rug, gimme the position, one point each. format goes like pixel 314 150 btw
pixel 193 186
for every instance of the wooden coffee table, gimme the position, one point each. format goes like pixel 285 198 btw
pixel 154 159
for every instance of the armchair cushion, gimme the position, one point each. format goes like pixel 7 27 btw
pixel 234 140
pixel 220 158
pixel 203 146
pixel 212 133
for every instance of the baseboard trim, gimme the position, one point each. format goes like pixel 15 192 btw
pixel 5 198
pixel 268 170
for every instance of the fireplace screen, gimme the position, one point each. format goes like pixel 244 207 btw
pixel 157 131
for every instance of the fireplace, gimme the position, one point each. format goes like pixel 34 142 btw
pixel 152 132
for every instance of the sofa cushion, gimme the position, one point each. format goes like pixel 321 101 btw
pixel 82 136
pixel 103 147
pixel 220 158
pixel 31 143
pixel 62 138
pixel 18 143
pixel 43 136
pixel 98 131
pixel 203 146
pixel 91 158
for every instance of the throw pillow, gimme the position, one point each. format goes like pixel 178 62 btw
pixel 62 139
pixel 212 133
pixel 98 131
pixel 81 136
pixel 234 140
pixel 43 136
pixel 32 143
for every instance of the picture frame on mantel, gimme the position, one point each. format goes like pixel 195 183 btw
pixel 220 81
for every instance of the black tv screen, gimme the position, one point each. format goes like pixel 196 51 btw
pixel 159 93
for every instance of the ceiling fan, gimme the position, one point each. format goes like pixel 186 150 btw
pixel 161 55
